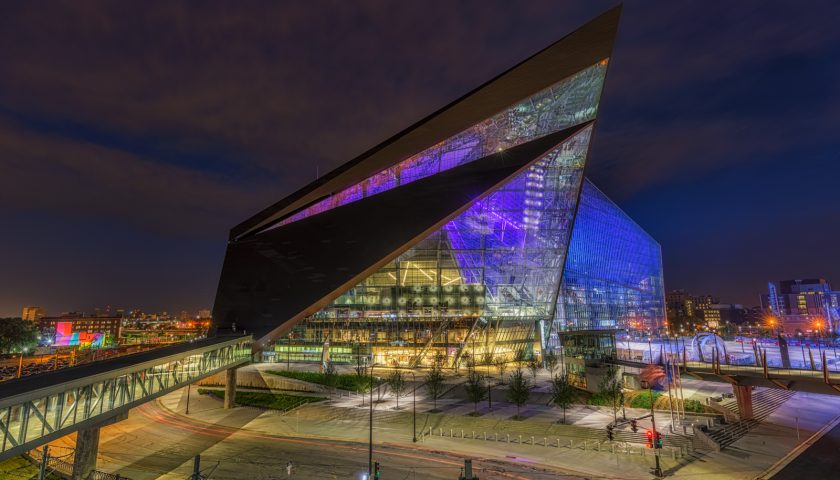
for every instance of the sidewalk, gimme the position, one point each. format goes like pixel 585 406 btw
pixel 395 427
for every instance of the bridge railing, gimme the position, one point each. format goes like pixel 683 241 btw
pixel 30 419
pixel 691 362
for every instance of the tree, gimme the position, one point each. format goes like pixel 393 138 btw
pixel 398 385
pixel 476 389
pixel 487 359
pixel 434 383
pixel 330 377
pixel 562 392
pixel 612 389
pixel 519 390
pixel 17 334
pixel 501 365
pixel 534 365
pixel 552 363
pixel 470 362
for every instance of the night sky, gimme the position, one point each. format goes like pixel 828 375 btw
pixel 133 136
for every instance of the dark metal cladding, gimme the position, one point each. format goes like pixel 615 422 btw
pixel 585 46
pixel 273 280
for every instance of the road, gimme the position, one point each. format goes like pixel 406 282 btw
pixel 153 443
pixel 818 461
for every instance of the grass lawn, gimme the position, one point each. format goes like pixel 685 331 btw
pixel 276 401
pixel 19 468
pixel 343 381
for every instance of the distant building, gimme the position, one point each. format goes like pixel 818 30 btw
pixel 802 306
pixel 687 312
pixel 33 314
pixel 81 323
pixel 204 314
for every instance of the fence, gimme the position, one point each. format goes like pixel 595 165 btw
pixel 616 448
pixel 63 468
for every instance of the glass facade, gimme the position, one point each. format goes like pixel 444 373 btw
pixel 613 274
pixel 570 102
pixel 482 285
pixel 490 283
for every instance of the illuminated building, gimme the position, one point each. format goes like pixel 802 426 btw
pixel 450 239
pixel 33 314
pixel 73 323
pixel 803 306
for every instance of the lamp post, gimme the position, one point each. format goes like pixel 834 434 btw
pixel 187 411
pixel 658 470
pixel 414 407
pixel 370 434
pixel 20 362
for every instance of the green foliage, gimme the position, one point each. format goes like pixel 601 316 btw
pixel 330 377
pixel 434 383
pixel 562 392
pixel 342 380
pixel 476 389
pixel 611 389
pixel 276 401
pixel 694 406
pixel 643 399
pixel 17 334
pixel 552 363
pixel 534 366
pixel 501 366
pixel 519 391
pixel 487 359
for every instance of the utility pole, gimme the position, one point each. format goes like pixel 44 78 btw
pixel 467 475
pixel 187 411
pixel 370 436
pixel 42 474
pixel 196 468
pixel 414 407
pixel 658 470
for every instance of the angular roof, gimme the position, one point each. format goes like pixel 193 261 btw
pixel 585 46
pixel 294 270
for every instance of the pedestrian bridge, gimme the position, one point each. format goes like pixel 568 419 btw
pixel 818 379
pixel 42 408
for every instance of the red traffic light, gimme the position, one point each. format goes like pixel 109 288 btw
pixel 649 434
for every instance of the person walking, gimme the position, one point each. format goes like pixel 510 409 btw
pixel 290 468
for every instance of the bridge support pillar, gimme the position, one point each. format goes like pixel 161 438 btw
pixel 743 395
pixel 87 446
pixel 230 387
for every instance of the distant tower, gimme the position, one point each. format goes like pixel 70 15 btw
pixel 33 314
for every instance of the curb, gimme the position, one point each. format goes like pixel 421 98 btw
pixel 791 455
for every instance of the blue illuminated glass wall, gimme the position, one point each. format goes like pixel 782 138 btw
pixel 613 273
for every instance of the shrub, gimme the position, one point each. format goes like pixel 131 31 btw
pixel 276 401
pixel 342 380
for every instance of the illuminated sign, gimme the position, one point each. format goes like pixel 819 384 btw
pixel 66 337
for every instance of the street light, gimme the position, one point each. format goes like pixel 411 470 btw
pixel 414 407
pixel 20 362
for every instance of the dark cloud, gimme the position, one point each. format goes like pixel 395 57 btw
pixel 170 122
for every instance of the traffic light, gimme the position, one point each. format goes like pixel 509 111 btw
pixel 657 439
pixel 377 473
pixel 610 432
pixel 649 435
pixel 634 426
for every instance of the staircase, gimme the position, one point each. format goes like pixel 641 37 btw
pixel 765 402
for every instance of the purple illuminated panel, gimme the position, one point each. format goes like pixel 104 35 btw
pixel 569 102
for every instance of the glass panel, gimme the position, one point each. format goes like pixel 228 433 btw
pixel 570 102
pixel 479 285
pixel 613 274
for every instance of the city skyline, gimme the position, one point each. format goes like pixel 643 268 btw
pixel 139 190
